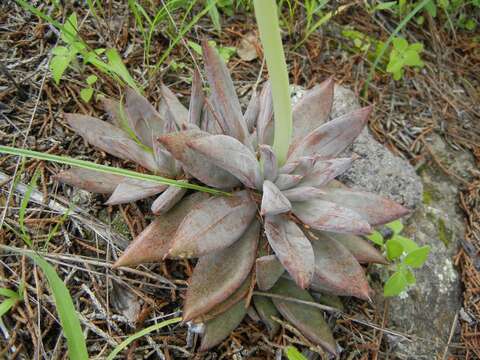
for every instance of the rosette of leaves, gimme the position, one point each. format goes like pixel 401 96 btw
pixel 284 229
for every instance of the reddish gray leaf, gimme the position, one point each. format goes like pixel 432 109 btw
pixel 218 275
pixel 130 150
pixel 154 241
pixel 218 329
pixel 273 201
pixel 361 249
pixel 197 99
pixel 331 138
pixel 210 121
pixel 111 107
pixel 266 310
pixel 267 271
pixel 265 115
pixel 312 110
pixel 375 209
pixel 231 155
pixel 292 248
pixel 326 170
pixel 224 98
pixel 132 190
pixel 142 117
pixel 166 164
pixel 329 216
pixel 302 193
pixel 307 319
pixel 213 225
pixel 175 109
pixel 195 163
pixel 301 166
pixel 239 294
pixel 269 161
pixel 251 113
pixel 93 181
pixel 336 270
pixel 286 181
pixel 168 199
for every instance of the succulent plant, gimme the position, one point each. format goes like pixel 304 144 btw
pixel 283 229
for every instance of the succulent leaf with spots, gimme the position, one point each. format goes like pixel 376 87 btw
pixel 291 227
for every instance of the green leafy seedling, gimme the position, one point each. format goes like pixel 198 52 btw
pixel 11 298
pixel 86 93
pixel 292 353
pixel 402 55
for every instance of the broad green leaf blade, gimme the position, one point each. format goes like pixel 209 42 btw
pixel 86 94
pixel 58 65
pixel 140 334
pixel 395 285
pixel 376 238
pixel 408 244
pixel 118 67
pixel 394 249
pixel 417 257
pixel 396 226
pixel 6 305
pixel 292 353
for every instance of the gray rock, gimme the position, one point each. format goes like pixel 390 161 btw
pixel 429 308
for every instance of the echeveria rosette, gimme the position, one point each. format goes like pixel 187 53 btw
pixel 285 228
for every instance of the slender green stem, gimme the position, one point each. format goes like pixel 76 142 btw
pixel 267 19
pixel 107 169
pixel 400 26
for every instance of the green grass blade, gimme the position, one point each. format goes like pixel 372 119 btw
pixel 9 293
pixel 107 169
pixel 400 26
pixel 141 333
pixel 267 19
pixel 23 208
pixel 6 305
pixel 118 67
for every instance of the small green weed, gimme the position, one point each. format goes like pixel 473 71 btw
pixel 405 254
pixel 402 55
pixel 226 52
pixel 292 353
pixel 11 298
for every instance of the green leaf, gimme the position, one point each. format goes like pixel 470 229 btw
pixel 214 15
pixel 69 31
pixel 396 226
pixel 139 334
pixel 61 50
pixel 227 52
pixel 292 353
pixel 91 79
pixel 400 44
pixel 431 8
pixel 72 330
pixel 86 94
pixel 418 47
pixel 376 238
pixel 395 64
pixel 417 257
pixel 395 285
pixel 117 66
pixel 58 65
pixel 397 75
pixel 385 5
pixel 394 249
pixel 470 25
pixel 9 293
pixel 408 244
pixel 410 277
pixel 6 305
pixel 412 58
pixel 195 47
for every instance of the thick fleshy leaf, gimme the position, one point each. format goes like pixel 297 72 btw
pixel 375 209
pixel 267 271
pixel 326 215
pixel 195 163
pixel 142 117
pixel 266 310
pixel 175 109
pixel 166 164
pixel 273 201
pixel 112 107
pixel 308 319
pixel 224 98
pixel 231 155
pixel 331 138
pixel 336 270
pixel 197 99
pixel 210 121
pixel 92 181
pixel 302 193
pixel 218 275
pixel 292 248
pixel 269 161
pixel 110 139
pixel 326 170
pixel 154 242
pixel 312 110
pixel 287 181
pixel 213 225
pixel 301 166
pixel 361 249
pixel 251 113
pixel 239 294
pixel 130 150
pixel 265 115
pixel 218 329
pixel 132 190
pixel 167 199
